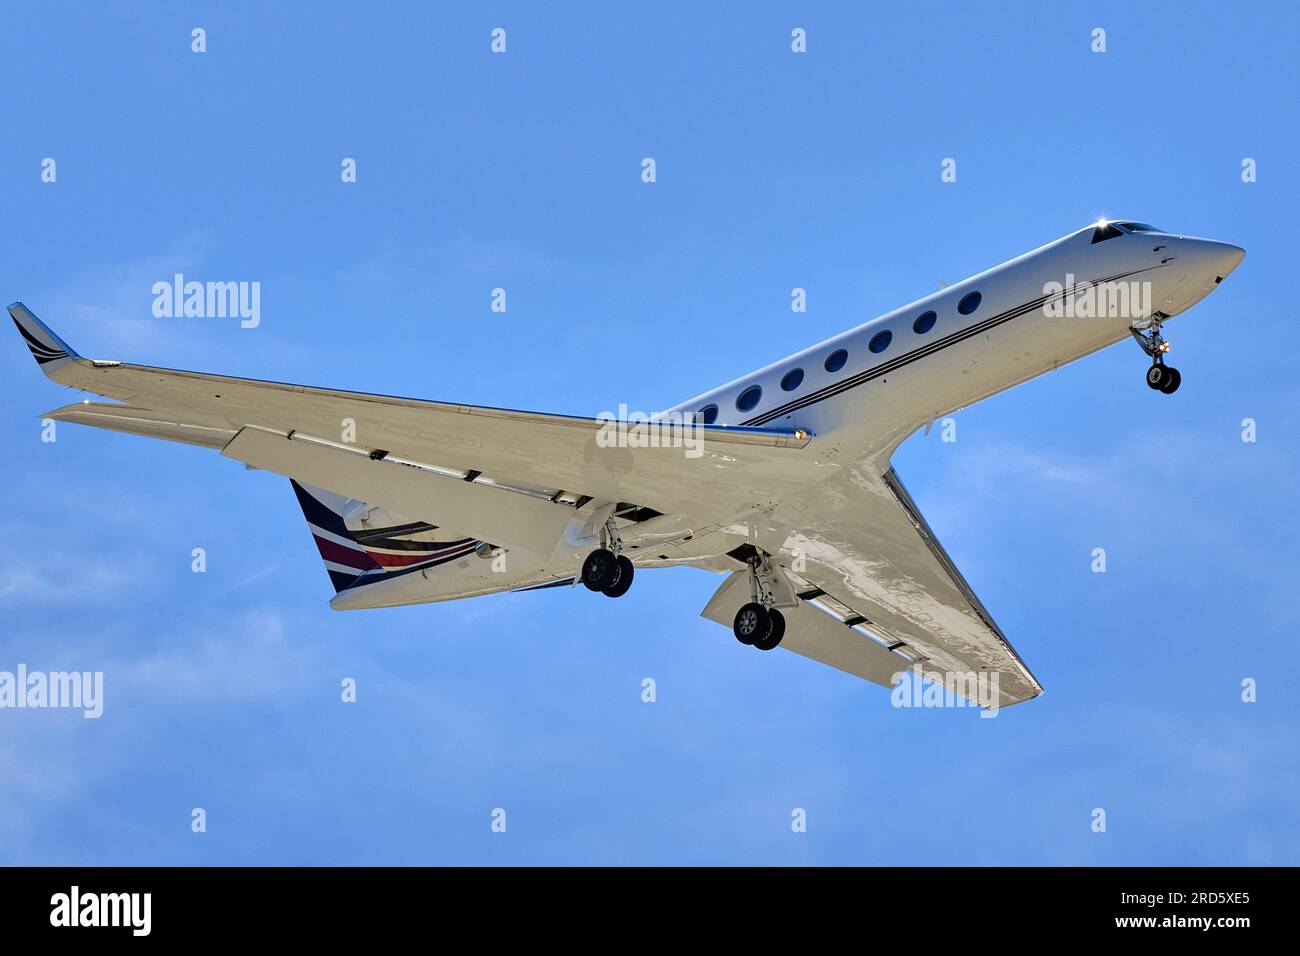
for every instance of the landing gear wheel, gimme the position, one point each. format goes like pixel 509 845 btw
pixel 753 623
pixel 600 570
pixel 775 634
pixel 1157 376
pixel 619 587
pixel 1172 381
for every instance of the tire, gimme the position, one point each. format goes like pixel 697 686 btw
pixel 752 623
pixel 600 570
pixel 1157 375
pixel 620 587
pixel 1172 380
pixel 775 634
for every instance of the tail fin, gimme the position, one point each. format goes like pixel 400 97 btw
pixel 45 346
pixel 345 559
pixel 363 544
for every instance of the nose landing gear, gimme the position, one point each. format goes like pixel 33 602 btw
pixel 1163 378
pixel 1160 377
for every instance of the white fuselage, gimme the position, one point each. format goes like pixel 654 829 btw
pixel 1014 333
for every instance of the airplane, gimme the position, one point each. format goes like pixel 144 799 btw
pixel 781 479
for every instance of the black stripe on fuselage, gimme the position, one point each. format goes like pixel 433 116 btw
pixel 929 348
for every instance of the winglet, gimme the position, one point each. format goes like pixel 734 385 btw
pixel 45 345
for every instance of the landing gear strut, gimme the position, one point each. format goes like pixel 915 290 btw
pixel 1160 377
pixel 758 623
pixel 605 570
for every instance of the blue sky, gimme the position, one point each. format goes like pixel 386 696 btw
pixel 522 171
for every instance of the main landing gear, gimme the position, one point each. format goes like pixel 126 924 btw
pixel 759 626
pixel 758 623
pixel 1160 377
pixel 607 571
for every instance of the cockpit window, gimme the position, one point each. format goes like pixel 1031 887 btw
pixel 1139 227
pixel 1104 231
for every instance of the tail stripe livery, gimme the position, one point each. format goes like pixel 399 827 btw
pixel 345 560
pixel 45 346
pixel 355 559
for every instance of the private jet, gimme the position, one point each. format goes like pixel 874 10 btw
pixel 780 480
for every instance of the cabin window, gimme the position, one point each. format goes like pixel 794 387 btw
pixel 707 415
pixel 880 341
pixel 835 361
pixel 924 323
pixel 969 303
pixel 792 380
pixel 749 398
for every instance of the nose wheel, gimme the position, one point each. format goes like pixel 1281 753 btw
pixel 1163 378
pixel 1160 377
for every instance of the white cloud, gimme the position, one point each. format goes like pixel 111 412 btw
pixel 251 656
pixel 63 577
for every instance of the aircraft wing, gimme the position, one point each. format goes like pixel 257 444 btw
pixel 867 556
pixel 813 633
pixel 510 477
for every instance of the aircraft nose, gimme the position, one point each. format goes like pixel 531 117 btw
pixel 1220 257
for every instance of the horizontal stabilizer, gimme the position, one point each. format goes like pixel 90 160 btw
pixel 143 421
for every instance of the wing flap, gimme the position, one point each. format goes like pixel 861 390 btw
pixel 814 634
pixel 505 518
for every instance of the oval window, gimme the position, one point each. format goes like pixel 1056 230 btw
pixel 969 303
pixel 835 361
pixel 924 323
pixel 880 341
pixel 792 380
pixel 707 415
pixel 749 398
